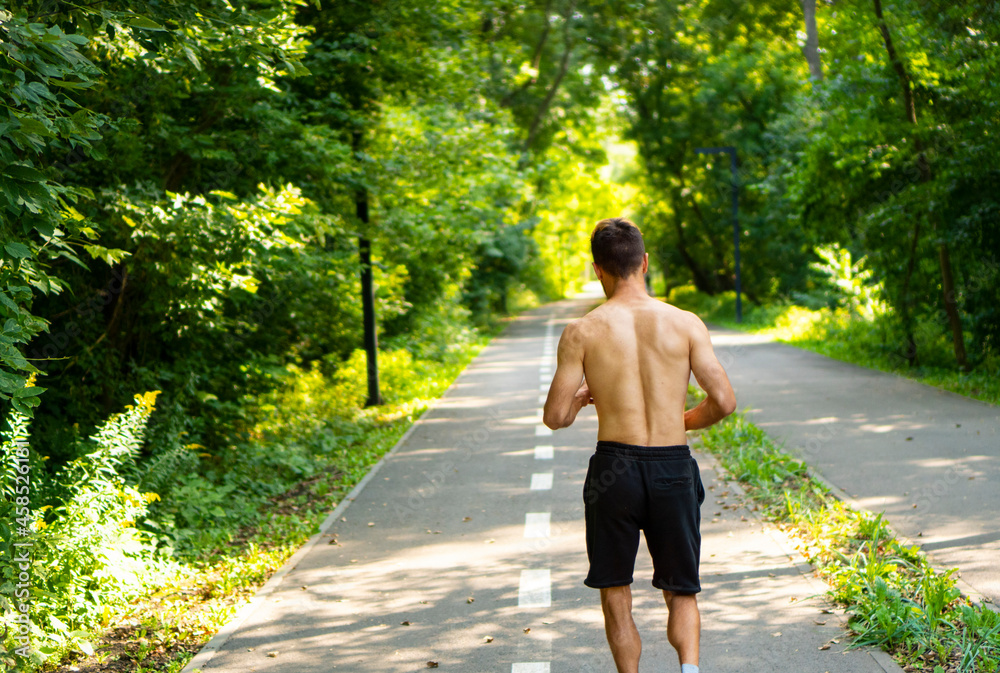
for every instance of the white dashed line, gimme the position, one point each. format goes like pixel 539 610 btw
pixel 531 667
pixel 541 481
pixel 537 524
pixel 543 452
pixel 542 431
pixel 535 590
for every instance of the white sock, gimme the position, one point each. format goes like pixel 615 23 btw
pixel 689 668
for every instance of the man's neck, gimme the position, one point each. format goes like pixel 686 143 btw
pixel 632 287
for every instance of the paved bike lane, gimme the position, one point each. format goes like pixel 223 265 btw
pixel 928 458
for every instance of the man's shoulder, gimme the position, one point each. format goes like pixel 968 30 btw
pixel 680 317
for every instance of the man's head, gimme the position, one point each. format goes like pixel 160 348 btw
pixel 617 247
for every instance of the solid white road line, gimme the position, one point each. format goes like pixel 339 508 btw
pixel 537 524
pixel 535 590
pixel 542 431
pixel 531 667
pixel 541 481
pixel 543 452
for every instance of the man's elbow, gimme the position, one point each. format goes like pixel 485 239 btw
pixel 727 404
pixel 552 421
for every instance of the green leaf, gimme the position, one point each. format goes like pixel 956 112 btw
pixel 32 391
pixel 9 303
pixel 144 22
pixel 23 173
pixel 193 57
pixel 17 250
pixel 32 125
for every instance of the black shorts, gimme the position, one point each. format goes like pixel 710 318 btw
pixel 657 489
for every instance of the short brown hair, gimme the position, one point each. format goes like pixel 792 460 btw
pixel 617 246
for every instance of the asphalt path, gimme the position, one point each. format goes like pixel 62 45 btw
pixel 465 550
pixel 927 458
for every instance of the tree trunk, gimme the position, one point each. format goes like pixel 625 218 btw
pixel 811 49
pixel 702 281
pixel 543 109
pixel 926 175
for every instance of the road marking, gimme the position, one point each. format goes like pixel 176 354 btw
pixel 542 431
pixel 537 524
pixel 543 452
pixel 531 667
pixel 541 481
pixel 535 590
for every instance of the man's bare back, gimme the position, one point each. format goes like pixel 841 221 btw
pixel 636 354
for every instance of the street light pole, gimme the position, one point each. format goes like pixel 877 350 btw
pixel 367 289
pixel 731 151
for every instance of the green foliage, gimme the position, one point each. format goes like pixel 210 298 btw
pixel 88 558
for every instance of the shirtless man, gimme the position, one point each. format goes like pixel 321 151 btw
pixel 632 357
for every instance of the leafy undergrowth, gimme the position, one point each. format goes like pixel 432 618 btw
pixel 162 630
pixel 869 340
pixel 894 598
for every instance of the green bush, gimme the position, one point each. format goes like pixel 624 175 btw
pixel 88 558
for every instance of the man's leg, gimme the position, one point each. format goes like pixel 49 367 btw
pixel 622 635
pixel 683 625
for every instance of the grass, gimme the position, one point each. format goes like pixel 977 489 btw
pixel 867 341
pixel 162 631
pixel 893 597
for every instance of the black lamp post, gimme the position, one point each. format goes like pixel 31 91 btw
pixel 731 151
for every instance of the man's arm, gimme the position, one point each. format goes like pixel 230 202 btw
pixel 568 392
pixel 707 370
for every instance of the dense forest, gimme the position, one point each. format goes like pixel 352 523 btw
pixel 187 190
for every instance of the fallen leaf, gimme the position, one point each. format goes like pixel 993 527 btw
pixel 490 541
pixel 371 523
pixel 432 664
pixel 819 623
pixel 406 623
pixel 467 518
pixel 488 639
pixel 527 630
pixel 272 653
pixel 470 599
pixel 824 646
pixel 776 634
pixel 303 588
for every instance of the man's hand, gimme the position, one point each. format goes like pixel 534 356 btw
pixel 582 398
